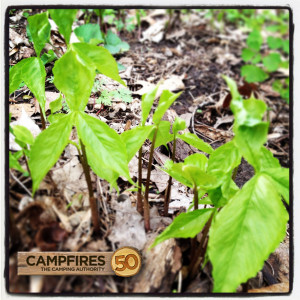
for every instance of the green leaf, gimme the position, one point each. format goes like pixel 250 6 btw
pixel 254 40
pixel 39 28
pixel 223 160
pixel 267 160
pixel 280 178
pixel 178 125
pixel 175 170
pixel 48 57
pixel 64 19
pixel 103 143
pixel 256 59
pixel 245 232
pixel 165 101
pixel 186 225
pixel 199 177
pixel 54 117
pixel 114 44
pixel 286 46
pixel 274 42
pixel 247 54
pixel 102 171
pixel 197 160
pixel 249 141
pixel 147 102
pixel 23 134
pixel 100 59
pixel 135 138
pixel 56 105
pixel 163 135
pixel 248 112
pixel 233 88
pixel 196 142
pixel 253 73
pixel 272 61
pixel 30 70
pixel 47 148
pixel 14 164
pixel 75 79
pixel 89 33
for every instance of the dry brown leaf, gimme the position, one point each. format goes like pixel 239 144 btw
pixel 283 287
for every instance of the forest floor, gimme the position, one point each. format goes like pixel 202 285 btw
pixel 190 57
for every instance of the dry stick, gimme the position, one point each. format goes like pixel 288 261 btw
pixel 139 204
pixel 146 202
pixel 42 119
pixel 168 190
pixel 92 199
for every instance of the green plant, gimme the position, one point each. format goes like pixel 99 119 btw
pixel 99 146
pixel 244 225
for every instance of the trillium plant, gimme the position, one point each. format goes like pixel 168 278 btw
pixel 241 227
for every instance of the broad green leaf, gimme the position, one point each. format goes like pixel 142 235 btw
pixel 272 61
pixel 32 71
pixel 248 112
pixel 186 225
pixel 178 125
pixel 135 138
pixel 245 232
pixel 47 148
pixel 165 101
pixel 102 171
pixel 75 79
pixel 54 117
pixel 280 178
pixel 267 160
pixel 233 88
pixel 114 44
pixel 274 42
pixel 249 141
pixel 256 59
pixel 147 102
pixel 23 134
pixel 224 159
pixel 98 58
pixel 175 170
pixel 196 142
pixel 163 135
pixel 197 160
pixel 48 57
pixel 64 19
pixel 199 177
pixel 286 46
pixel 253 73
pixel 103 143
pixel 56 104
pixel 14 164
pixel 89 33
pixel 254 40
pixel 39 28
pixel 247 54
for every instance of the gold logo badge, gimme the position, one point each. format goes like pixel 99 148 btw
pixel 126 262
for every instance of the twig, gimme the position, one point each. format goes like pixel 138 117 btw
pixel 20 183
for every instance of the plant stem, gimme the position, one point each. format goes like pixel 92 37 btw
pixel 196 200
pixel 198 256
pixel 139 204
pixel 92 199
pixel 194 240
pixel 146 202
pixel 42 119
pixel 168 190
